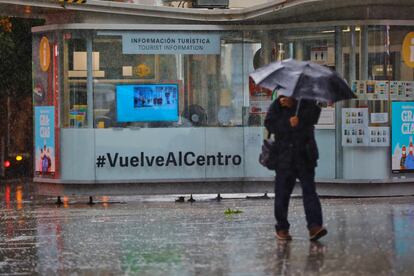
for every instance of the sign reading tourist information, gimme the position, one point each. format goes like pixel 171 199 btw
pixel 165 43
pixel 402 134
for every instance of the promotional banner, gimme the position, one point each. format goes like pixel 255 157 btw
pixel 44 140
pixel 402 133
pixel 170 153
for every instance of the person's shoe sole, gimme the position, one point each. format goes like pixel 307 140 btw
pixel 319 234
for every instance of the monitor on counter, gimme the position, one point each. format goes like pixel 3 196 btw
pixel 147 102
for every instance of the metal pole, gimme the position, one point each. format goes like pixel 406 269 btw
pixel 352 62
pixel 266 48
pixel 389 78
pixel 363 54
pixel 299 50
pixel 363 58
pixel 89 85
pixel 338 107
pixel 180 67
pixel 2 151
pixel 291 50
pixel 8 127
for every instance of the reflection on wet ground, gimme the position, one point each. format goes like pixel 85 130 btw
pixel 157 236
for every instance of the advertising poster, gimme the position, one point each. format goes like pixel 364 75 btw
pixel 319 54
pixel 44 140
pixel 397 90
pixel 381 90
pixel 359 88
pixel 259 107
pixel 370 89
pixel 379 136
pixel 402 132
pixel 377 90
pixel 355 127
pixel 259 102
pixel 409 89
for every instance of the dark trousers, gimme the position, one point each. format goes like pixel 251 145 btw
pixel 284 184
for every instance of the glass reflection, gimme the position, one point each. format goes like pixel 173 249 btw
pixel 288 259
pixel 19 197
pixel 283 255
pixel 315 258
pixel 65 202
pixel 105 200
pixel 7 196
pixel 403 221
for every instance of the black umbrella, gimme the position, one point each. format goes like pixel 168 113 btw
pixel 303 80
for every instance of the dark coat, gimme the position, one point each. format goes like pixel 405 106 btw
pixel 295 146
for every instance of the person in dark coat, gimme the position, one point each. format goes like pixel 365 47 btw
pixel 297 155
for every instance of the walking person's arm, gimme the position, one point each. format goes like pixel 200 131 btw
pixel 308 114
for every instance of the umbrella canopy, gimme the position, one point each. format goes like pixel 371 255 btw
pixel 303 80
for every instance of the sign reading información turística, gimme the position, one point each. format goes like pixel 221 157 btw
pixel 169 43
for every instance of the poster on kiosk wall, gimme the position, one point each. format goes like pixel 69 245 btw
pixel 44 140
pixel 402 135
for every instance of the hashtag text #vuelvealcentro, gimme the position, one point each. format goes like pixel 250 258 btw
pixel 171 159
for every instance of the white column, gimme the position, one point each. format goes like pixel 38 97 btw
pixel 89 84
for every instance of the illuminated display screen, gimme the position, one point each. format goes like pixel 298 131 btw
pixel 147 103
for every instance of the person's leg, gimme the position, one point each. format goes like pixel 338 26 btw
pixel 311 202
pixel 284 184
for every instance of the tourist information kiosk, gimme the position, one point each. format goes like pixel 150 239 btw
pixel 168 108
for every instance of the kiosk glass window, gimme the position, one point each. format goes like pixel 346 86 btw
pixel 213 93
pixel 204 89
pixel 402 96
pixel 316 45
pixel 365 120
pixel 74 96
pixel 312 44
pixel 374 66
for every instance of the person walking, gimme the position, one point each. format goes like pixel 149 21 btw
pixel 292 122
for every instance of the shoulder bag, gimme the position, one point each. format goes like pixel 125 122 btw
pixel 268 157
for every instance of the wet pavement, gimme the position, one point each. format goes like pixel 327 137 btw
pixel 158 236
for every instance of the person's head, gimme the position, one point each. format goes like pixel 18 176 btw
pixel 411 149
pixel 286 101
pixel 404 151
